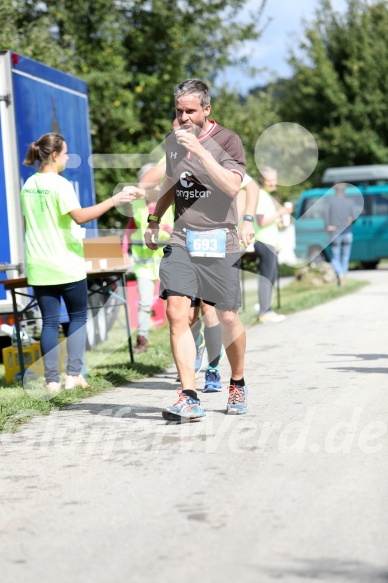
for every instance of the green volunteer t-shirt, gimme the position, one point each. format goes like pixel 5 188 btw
pixel 269 234
pixel 54 249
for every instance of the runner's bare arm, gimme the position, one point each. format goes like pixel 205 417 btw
pixel 166 197
pixel 241 203
pixel 165 200
pixel 247 231
pixel 252 199
pixel 229 182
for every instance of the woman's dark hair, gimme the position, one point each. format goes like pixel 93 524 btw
pixel 42 149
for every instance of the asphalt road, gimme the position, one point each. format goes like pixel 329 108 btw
pixel 106 491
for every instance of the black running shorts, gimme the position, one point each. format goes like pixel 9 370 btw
pixel 215 280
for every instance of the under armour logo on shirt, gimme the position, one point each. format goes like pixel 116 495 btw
pixel 173 154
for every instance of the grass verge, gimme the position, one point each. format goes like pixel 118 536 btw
pixel 300 295
pixel 108 367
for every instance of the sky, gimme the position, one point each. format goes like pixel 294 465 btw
pixel 284 25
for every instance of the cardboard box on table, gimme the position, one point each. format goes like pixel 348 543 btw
pixel 109 248
pixel 105 248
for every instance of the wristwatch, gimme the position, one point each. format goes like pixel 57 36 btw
pixel 153 218
pixel 249 218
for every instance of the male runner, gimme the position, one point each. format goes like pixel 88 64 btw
pixel 205 166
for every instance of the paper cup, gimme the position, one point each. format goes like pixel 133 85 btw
pixel 286 220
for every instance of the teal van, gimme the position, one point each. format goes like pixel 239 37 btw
pixel 370 229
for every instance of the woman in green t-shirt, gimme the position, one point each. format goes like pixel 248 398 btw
pixel 54 254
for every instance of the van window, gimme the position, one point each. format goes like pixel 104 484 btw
pixel 380 203
pixel 313 208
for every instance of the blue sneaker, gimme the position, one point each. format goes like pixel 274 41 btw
pixel 185 408
pixel 238 401
pixel 212 381
pixel 199 356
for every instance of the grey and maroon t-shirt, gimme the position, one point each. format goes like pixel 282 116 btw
pixel 200 204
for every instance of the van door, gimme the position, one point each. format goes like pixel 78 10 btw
pixel 378 224
pixel 361 250
pixel 311 238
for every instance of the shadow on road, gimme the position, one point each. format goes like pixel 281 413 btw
pixel 333 570
pixel 364 356
pixel 366 370
pixel 117 411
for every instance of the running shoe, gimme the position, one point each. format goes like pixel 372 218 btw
pixel 185 408
pixel 212 381
pixel 238 400
pixel 200 352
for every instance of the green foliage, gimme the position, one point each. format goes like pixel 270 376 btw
pixel 248 117
pixel 131 54
pixel 25 31
pixel 340 83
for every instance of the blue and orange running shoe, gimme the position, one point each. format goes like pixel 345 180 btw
pixel 185 408
pixel 238 400
pixel 212 381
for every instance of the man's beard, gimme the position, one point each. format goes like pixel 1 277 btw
pixel 197 130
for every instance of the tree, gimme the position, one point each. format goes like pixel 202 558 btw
pixel 24 31
pixel 248 117
pixel 340 83
pixel 131 53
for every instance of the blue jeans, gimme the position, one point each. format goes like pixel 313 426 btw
pixel 340 249
pixel 75 296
